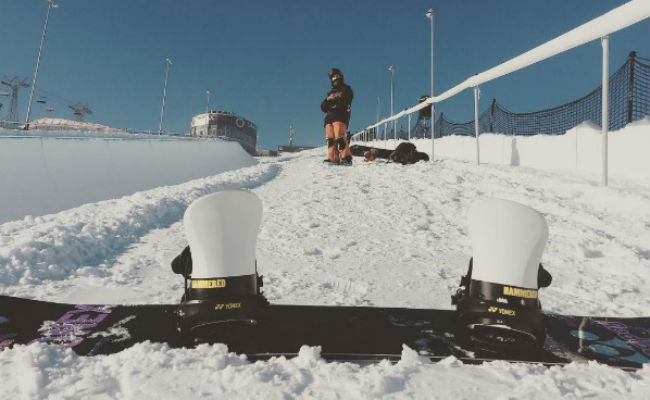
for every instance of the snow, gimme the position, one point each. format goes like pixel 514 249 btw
pixel 55 171
pixel 580 149
pixel 374 234
pixel 148 371
pixel 46 124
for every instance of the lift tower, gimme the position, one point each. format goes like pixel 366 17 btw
pixel 14 84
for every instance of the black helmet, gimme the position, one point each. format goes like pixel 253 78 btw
pixel 334 71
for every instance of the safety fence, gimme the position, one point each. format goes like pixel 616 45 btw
pixel 598 28
pixel 629 91
pixel 629 94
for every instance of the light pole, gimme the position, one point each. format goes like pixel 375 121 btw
pixel 433 112
pixel 477 96
pixel 378 106
pixel 605 108
pixel 50 6
pixel 207 103
pixel 168 62
pixel 392 92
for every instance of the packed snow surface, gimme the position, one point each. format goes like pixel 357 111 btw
pixel 55 171
pixel 374 234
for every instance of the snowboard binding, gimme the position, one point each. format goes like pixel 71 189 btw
pixel 500 318
pixel 211 306
pixel 222 286
pixel 497 304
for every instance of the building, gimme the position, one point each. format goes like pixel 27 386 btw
pixel 225 125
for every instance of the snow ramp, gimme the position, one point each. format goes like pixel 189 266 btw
pixel 43 174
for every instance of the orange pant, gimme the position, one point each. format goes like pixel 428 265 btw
pixel 334 131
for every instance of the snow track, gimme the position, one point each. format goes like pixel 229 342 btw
pixel 384 234
pixel 376 234
pixel 86 241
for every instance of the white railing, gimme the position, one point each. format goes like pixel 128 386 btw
pixel 599 28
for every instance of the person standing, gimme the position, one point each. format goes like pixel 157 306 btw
pixel 337 106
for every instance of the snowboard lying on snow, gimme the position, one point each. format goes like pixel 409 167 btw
pixel 222 303
pixel 404 153
pixel 358 334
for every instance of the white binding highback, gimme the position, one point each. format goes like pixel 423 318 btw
pixel 221 229
pixel 508 239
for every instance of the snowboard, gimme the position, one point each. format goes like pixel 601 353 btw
pixel 359 150
pixel 385 154
pixel 357 334
pixel 337 164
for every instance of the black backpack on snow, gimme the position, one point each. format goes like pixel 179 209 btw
pixel 405 153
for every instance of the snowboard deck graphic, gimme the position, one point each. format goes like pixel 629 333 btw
pixel 359 334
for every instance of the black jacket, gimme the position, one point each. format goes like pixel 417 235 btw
pixel 337 104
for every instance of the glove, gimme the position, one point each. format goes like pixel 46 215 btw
pixel 324 106
pixel 328 104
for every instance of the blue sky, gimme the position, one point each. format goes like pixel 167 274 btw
pixel 268 60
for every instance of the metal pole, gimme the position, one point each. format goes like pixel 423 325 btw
pixel 50 6
pixel 605 104
pixel 377 127
pixel 168 62
pixel 392 92
pixel 409 127
pixel 476 96
pixel 433 113
pixel 395 129
pixel 207 104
